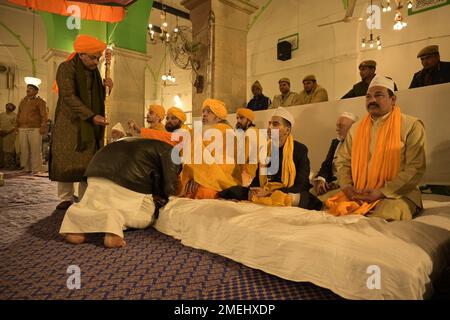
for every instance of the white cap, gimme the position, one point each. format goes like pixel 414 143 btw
pixel 283 113
pixel 33 81
pixel 349 115
pixel 118 127
pixel 381 81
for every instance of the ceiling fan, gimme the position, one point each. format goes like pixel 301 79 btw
pixel 348 14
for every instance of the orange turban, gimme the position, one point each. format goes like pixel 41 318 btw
pixel 158 109
pixel 177 112
pixel 217 107
pixel 87 44
pixel 247 113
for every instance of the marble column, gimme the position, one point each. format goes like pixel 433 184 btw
pixel 127 100
pixel 221 27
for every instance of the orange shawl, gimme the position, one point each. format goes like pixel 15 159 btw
pixel 384 165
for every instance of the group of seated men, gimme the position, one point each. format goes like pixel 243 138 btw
pixel 434 71
pixel 372 169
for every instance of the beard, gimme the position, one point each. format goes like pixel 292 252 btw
pixel 239 126
pixel 171 128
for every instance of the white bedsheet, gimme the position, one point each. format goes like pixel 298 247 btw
pixel 332 252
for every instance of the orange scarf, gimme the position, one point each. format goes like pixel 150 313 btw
pixel 384 166
pixel 288 172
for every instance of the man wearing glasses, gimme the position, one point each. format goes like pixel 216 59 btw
pixel 79 117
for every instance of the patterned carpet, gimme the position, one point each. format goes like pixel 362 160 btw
pixel 34 260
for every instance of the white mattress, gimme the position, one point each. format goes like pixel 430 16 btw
pixel 332 252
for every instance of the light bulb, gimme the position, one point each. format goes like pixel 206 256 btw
pixel 384 9
pixel 389 8
pixel 363 45
pixel 379 47
pixel 175 30
pixel 371 45
pixel 173 79
pixel 410 5
pixel 165 24
pixel 164 77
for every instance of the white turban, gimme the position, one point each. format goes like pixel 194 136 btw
pixel 349 115
pixel 381 81
pixel 31 81
pixel 118 127
pixel 283 113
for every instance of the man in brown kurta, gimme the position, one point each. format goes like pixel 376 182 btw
pixel 32 124
pixel 312 93
pixel 8 136
pixel 286 97
pixel 79 117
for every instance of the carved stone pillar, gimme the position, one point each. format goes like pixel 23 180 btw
pixel 221 26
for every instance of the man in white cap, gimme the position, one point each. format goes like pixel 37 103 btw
pixel 325 179
pixel 287 186
pixel 32 124
pixel 381 160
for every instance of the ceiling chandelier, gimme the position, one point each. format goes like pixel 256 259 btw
pixel 399 24
pixel 372 40
pixel 161 33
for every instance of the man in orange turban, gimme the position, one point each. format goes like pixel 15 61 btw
pixel 79 117
pixel 175 119
pixel 154 117
pixel 204 181
pixel 244 121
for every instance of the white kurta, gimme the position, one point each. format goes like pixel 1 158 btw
pixel 107 207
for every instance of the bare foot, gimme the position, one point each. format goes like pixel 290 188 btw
pixel 75 238
pixel 113 241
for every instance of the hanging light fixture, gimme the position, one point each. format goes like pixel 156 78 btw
pixel 168 77
pixel 33 80
pixel 399 23
pixel 371 41
pixel 162 33
pixel 386 7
